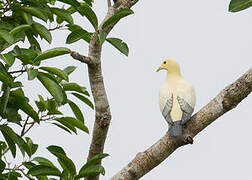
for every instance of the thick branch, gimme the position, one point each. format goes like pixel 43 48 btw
pixel 109 3
pixel 226 100
pixel 102 111
pixel 81 58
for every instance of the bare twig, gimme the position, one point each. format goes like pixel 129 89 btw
pixel 28 129
pixel 55 28
pixel 226 100
pixel 81 58
pixel 23 129
pixel 18 71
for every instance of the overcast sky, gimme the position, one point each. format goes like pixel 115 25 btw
pixel 213 48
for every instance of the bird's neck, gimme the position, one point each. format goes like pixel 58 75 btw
pixel 173 75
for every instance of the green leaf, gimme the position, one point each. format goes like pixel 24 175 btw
pixel 71 9
pixel 19 100
pixel 44 161
pixel 119 44
pixel 85 10
pixel 53 88
pixel 76 110
pixel 62 127
pixel 43 32
pixel 12 175
pixel 33 42
pixel 60 73
pixel 239 5
pixel 32 73
pixel 71 2
pixel 17 84
pixel 116 17
pixel 52 53
pixel 15 138
pixel 63 14
pixel 8 58
pixel 73 27
pixel 3 147
pixel 27 18
pixel 89 2
pixel 4 101
pixel 19 29
pixel 44 178
pixel 94 161
pixel 84 99
pixel 10 143
pixel 66 124
pixel 23 146
pixel 2 165
pixel 35 12
pixel 28 164
pixel 3 69
pixel 91 171
pixel 69 69
pixel 42 170
pixel 6 36
pixel 74 122
pixel 77 35
pixel 5 79
pixel 67 163
pixel 75 87
pixel 52 107
pixel 27 56
pixel 41 104
pixel 61 155
pixel 12 115
pixel 56 149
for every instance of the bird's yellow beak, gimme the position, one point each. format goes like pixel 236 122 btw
pixel 160 68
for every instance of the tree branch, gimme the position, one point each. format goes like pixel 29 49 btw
pixel 109 3
pixel 102 110
pixel 226 100
pixel 81 58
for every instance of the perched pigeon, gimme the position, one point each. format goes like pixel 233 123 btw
pixel 176 98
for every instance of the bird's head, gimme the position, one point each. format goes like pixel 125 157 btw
pixel 170 65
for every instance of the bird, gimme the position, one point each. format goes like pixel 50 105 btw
pixel 177 98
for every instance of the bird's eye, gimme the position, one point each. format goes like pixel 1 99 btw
pixel 164 62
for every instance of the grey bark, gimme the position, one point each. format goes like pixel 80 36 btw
pixel 226 100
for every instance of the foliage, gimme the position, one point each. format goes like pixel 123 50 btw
pixel 25 21
pixel 239 5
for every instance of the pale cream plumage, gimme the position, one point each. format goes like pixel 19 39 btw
pixel 177 88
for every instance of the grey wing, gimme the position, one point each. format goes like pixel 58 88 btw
pixel 167 110
pixel 186 108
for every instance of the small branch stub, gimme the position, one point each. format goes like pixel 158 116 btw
pixel 81 58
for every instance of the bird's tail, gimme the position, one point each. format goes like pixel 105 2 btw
pixel 175 129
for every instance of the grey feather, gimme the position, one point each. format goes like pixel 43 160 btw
pixel 167 110
pixel 186 108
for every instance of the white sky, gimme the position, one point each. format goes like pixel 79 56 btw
pixel 213 48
